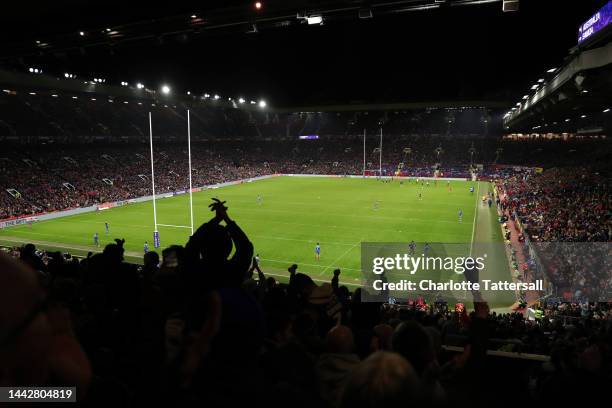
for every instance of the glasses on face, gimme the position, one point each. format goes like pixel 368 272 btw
pixel 9 336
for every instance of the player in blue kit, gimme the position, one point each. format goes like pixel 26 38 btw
pixel 96 239
pixel 107 227
pixel 411 248
pixel 472 189
pixel 146 247
pixel 317 251
pixel 460 216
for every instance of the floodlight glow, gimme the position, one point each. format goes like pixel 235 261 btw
pixel 314 20
pixel 567 120
pixel 541 80
pixel 216 97
pixel 81 33
pixel 194 16
pixel 54 95
pixel 258 5
pixel 139 85
pixel 606 110
pixel 583 116
pixel 241 100
pixel 525 97
pixel 165 89
pixel 262 103
pixel 534 86
pixel 66 75
pixel 31 70
pixel 188 93
pixel 550 71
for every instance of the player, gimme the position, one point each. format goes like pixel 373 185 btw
pixel 256 259
pixel 317 251
pixel 259 199
pixel 411 248
pixel 146 247
pixel 420 196
pixel 107 227
pixel 376 205
pixel 96 239
pixel 426 249
pixel 460 216
pixel 472 189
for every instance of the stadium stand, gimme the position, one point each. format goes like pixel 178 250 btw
pixel 202 323
pixel 207 330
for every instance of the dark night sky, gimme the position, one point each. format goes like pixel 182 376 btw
pixel 459 53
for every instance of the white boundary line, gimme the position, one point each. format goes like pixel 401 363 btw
pixel 340 257
pixel 174 226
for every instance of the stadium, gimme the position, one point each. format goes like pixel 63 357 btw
pixel 335 203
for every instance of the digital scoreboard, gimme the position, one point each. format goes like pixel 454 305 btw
pixel 596 23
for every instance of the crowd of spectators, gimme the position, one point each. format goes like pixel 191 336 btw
pixel 56 177
pixel 200 328
pixel 565 213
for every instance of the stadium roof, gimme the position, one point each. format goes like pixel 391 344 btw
pixel 409 50
pixel 574 98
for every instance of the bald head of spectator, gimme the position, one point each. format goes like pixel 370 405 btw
pixel 340 340
pixel 384 379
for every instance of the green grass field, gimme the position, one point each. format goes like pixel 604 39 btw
pixel 296 213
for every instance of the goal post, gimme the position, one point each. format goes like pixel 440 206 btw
pixel 156 238
pixel 190 185
pixel 155 231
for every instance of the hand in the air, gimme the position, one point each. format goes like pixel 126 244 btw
pixel 219 208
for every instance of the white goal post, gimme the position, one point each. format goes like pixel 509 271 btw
pixel 156 240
